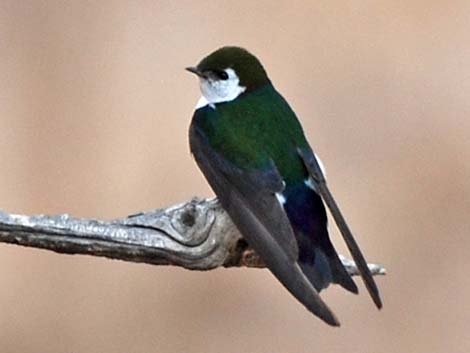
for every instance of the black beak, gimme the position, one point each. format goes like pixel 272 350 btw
pixel 195 71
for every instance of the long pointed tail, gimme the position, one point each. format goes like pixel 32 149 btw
pixel 324 267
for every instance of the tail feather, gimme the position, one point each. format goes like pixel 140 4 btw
pixel 341 276
pixel 324 270
pixel 317 257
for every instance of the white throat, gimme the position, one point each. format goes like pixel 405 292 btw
pixel 218 91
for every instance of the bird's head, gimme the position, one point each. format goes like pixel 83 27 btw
pixel 227 73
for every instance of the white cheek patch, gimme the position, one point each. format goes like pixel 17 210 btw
pixel 202 102
pixel 218 91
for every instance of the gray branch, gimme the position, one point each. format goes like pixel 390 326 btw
pixel 196 235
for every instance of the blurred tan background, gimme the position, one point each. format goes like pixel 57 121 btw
pixel 94 111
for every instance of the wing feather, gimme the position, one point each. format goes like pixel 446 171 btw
pixel 249 198
pixel 316 173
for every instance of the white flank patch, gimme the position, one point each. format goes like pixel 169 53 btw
pixel 218 91
pixel 320 163
pixel 310 184
pixel 309 181
pixel 281 198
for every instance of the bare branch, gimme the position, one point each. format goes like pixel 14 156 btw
pixel 196 235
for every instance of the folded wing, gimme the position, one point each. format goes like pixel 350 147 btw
pixel 316 173
pixel 249 197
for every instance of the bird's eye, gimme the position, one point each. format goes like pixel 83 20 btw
pixel 222 75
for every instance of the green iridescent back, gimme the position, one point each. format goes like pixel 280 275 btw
pixel 254 129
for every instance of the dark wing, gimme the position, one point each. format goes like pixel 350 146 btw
pixel 315 172
pixel 249 198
